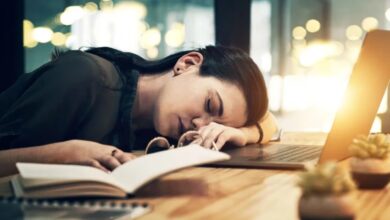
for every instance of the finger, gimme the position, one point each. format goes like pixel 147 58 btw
pixel 204 133
pixel 110 162
pixel 206 127
pixel 124 157
pixel 197 141
pixel 132 156
pixel 95 163
pixel 121 156
pixel 221 141
pixel 213 135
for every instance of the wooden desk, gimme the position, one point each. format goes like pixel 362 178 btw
pixel 223 193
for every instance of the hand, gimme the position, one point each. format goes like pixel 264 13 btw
pixel 87 153
pixel 221 134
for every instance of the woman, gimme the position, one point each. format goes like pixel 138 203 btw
pixel 77 107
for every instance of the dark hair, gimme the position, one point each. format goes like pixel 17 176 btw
pixel 225 63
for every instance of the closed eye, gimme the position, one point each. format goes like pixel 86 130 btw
pixel 208 105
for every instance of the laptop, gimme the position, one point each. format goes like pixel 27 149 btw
pixel 367 85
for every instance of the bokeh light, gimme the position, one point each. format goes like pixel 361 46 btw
pixel 313 25
pixel 176 35
pixel 152 52
pixel 353 32
pixel 369 23
pixel 134 8
pixel 299 33
pixel 318 51
pixel 58 39
pixel 91 6
pixel 71 14
pixel 387 14
pixel 42 34
pixel 28 40
pixel 70 40
pixel 150 38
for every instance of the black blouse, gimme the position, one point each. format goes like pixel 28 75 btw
pixel 77 95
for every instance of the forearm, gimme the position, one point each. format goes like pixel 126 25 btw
pixel 269 126
pixel 78 152
pixel 8 158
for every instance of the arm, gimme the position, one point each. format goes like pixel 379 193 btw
pixel 68 152
pixel 221 134
pixel 269 126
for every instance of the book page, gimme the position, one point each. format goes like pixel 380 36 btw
pixel 135 173
pixel 49 174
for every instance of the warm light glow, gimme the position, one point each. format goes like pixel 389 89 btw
pixel 152 52
pixel 328 90
pixel 42 34
pixel 318 51
pixel 71 14
pixel 58 39
pixel 353 32
pixel 28 40
pixel 337 48
pixel 383 105
pixel 27 25
pixel 176 35
pixel 313 25
pixel 321 92
pixel 142 26
pixel 150 38
pixel 133 8
pixel 31 44
pixel 70 39
pixel 91 6
pixel 369 23
pixel 377 125
pixel 275 88
pixel 299 33
pixel 387 14
pixel 106 5
pixel 266 62
pixel 353 49
pixel 298 44
pixel 294 96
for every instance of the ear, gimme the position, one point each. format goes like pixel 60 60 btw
pixel 187 61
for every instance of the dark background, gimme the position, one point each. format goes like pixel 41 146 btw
pixel 232 22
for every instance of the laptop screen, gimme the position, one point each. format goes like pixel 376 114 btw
pixel 367 85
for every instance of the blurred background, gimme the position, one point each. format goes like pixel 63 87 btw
pixel 305 48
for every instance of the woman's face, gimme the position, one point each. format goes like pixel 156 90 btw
pixel 189 101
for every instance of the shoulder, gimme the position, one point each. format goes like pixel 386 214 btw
pixel 83 67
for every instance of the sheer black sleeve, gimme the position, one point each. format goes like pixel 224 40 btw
pixel 60 101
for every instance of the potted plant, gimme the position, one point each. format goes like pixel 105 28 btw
pixel 327 193
pixel 370 162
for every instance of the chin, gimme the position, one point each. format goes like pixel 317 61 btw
pixel 165 126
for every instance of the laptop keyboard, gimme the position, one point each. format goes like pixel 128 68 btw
pixel 292 153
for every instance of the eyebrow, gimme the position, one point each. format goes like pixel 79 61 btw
pixel 220 111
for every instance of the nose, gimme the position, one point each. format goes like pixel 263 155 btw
pixel 198 122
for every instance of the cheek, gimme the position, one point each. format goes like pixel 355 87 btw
pixel 168 106
pixel 177 100
pixel 181 99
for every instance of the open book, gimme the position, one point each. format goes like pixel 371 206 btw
pixel 57 181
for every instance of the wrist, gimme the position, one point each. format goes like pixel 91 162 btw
pixel 251 134
pixel 260 132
